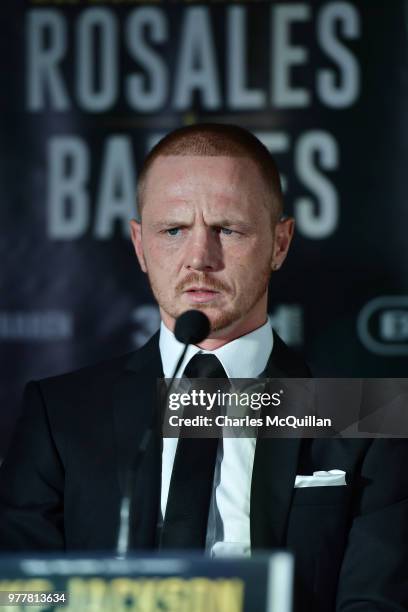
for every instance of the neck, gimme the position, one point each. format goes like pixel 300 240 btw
pixel 219 338
pixel 214 342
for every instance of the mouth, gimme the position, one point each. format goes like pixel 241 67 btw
pixel 201 294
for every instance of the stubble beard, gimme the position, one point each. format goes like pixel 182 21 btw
pixel 220 319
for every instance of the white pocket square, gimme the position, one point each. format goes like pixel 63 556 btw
pixel 332 478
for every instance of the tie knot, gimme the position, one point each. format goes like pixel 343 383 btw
pixel 204 366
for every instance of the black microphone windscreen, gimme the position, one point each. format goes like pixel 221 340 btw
pixel 192 327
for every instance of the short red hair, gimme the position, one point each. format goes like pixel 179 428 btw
pixel 217 139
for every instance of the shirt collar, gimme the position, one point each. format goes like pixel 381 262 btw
pixel 244 357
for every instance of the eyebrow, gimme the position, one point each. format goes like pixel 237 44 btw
pixel 174 222
pixel 228 222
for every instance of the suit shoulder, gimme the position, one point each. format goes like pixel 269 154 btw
pixel 94 382
pixel 103 375
pixel 102 372
pixel 288 360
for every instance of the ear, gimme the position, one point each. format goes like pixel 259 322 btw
pixel 136 236
pixel 283 234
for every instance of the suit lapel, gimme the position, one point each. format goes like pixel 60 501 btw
pixel 275 463
pixel 135 403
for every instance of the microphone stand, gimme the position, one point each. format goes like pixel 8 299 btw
pixel 123 539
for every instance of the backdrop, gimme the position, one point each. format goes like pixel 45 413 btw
pixel 87 87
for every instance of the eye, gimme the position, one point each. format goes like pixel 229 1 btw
pixel 225 230
pixel 173 231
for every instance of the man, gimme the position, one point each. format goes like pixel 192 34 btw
pixel 211 232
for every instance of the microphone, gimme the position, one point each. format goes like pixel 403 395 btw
pixel 191 327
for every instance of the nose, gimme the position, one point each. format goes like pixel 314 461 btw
pixel 203 250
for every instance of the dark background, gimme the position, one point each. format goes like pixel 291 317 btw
pixel 72 293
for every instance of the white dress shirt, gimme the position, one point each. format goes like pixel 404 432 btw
pixel 228 529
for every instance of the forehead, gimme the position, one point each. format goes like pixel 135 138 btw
pixel 187 177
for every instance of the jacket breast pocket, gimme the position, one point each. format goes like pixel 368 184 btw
pixel 321 496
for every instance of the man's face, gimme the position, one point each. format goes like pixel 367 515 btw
pixel 206 240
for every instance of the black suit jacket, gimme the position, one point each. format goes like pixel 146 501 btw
pixel 62 481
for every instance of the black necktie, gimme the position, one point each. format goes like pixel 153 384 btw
pixel 185 522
